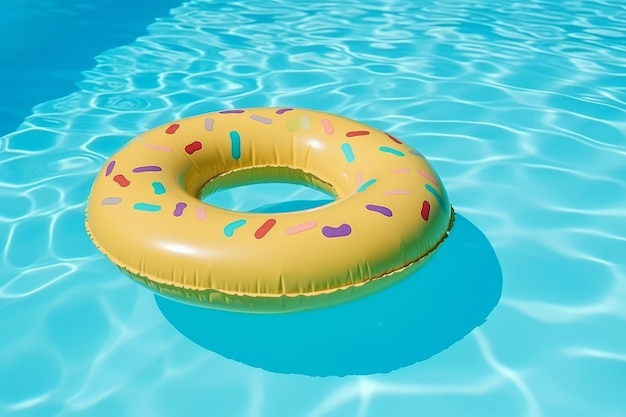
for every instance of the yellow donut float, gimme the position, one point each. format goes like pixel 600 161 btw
pixel 145 210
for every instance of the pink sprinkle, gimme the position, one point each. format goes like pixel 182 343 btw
pixel 200 213
pixel 359 179
pixel 396 192
pixel 401 170
pixel 158 147
pixel 328 127
pixel 428 177
pixel 302 227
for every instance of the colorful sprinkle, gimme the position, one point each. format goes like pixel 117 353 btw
pixel 235 144
pixel 230 228
pixel 328 127
pixel 146 207
pixel 293 125
pixel 391 151
pixel 281 111
pixel 304 122
pixel 193 147
pixel 341 231
pixel 347 152
pixel 121 180
pixel 393 138
pixel 404 170
pixel 385 211
pixel 200 213
pixel 396 192
pixel 266 227
pixel 312 224
pixel 367 184
pixel 171 129
pixel 158 188
pixel 208 124
pixel 435 193
pixel 428 177
pixel 158 147
pixel 261 119
pixel 354 133
pixel 109 169
pixel 111 201
pixel 147 168
pixel 358 180
pixel 425 210
pixel 180 207
pixel 234 111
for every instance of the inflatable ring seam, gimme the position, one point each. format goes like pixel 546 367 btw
pixel 147 215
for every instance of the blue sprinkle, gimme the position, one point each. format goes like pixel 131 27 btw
pixel 146 207
pixel 158 188
pixel 366 185
pixel 235 143
pixel 230 228
pixel 347 152
pixel 391 151
pixel 435 193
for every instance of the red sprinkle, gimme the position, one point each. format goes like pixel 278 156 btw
pixel 192 147
pixel 121 180
pixel 171 129
pixel 357 133
pixel 396 140
pixel 425 210
pixel 266 227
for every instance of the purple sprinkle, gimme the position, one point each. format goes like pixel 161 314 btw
pixel 231 111
pixel 178 211
pixel 380 209
pixel 147 168
pixel 343 230
pixel 281 111
pixel 109 168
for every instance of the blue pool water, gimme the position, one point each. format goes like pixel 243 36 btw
pixel 521 108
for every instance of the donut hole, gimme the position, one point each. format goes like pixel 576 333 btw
pixel 267 190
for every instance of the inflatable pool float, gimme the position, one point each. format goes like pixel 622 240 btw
pixel 145 210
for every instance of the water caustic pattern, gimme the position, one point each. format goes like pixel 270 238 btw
pixel 521 108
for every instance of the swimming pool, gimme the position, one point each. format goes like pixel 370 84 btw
pixel 521 108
